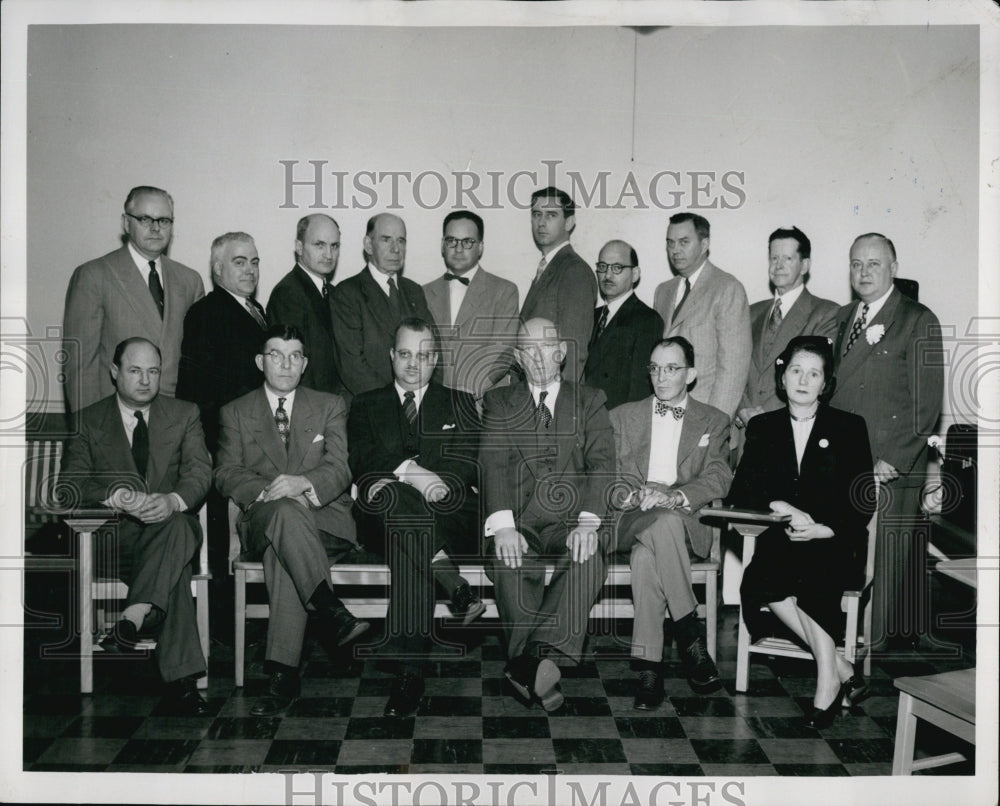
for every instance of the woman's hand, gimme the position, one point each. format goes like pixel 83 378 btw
pixel 799 519
pixel 812 531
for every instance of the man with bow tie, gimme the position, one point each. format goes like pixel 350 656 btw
pixel 673 456
pixel 889 370
pixel 143 455
pixel 413 457
pixel 283 460
pixel 475 311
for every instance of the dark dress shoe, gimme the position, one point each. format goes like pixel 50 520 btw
pixel 699 668
pixel 122 640
pixel 183 699
pixel 346 628
pixel 536 679
pixel 282 689
pixel 404 696
pixel 466 605
pixel 649 695
pixel 820 718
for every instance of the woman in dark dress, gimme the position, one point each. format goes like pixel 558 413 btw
pixel 814 463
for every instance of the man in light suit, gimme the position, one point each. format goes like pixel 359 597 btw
pixel 564 290
pixel 222 334
pixel 144 455
pixel 708 307
pixel 283 460
pixel 625 329
pixel 889 370
pixel 419 440
pixel 673 454
pixel 792 312
pixel 368 306
pixel 303 298
pixel 134 291
pixel 547 456
pixel 475 311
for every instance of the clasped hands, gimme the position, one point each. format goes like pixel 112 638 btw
pixel 801 527
pixel 287 486
pixel 426 482
pixel 145 507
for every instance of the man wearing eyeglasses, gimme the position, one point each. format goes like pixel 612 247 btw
pixel 475 311
pixel 563 289
pixel 547 458
pixel 283 460
pixel 134 291
pixel 625 329
pixel 413 455
pixel 673 457
pixel 368 306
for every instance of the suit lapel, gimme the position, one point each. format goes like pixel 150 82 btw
pixel 791 325
pixel 692 429
pixel 265 432
pixel 699 291
pixel 302 429
pixel 862 350
pixel 135 293
pixel 813 453
pixel 377 302
pixel 472 301
pixel 320 306
pixel 439 301
pixel 114 446
pixel 642 427
pixel 161 434
pixel 564 421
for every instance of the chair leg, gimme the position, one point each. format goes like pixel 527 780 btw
pixel 867 620
pixel 742 656
pixel 86 612
pixel 906 731
pixel 201 605
pixel 851 632
pixel 240 627
pixel 712 613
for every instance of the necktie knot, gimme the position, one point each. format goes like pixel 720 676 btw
pixel 449 276
pixel 281 420
pixel 662 407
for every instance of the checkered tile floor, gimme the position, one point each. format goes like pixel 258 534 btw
pixel 469 720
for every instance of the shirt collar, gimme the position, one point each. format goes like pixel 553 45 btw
pixel 875 306
pixel 142 262
pixel 469 274
pixel 382 278
pixel 789 298
pixel 550 398
pixel 549 255
pixel 693 277
pixel 272 399
pixel 317 279
pixel 418 394
pixel 128 413
pixel 616 304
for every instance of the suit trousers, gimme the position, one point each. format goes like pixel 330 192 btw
pixel 555 614
pixel 660 557
pixel 154 560
pixel 900 598
pixel 296 561
pixel 409 532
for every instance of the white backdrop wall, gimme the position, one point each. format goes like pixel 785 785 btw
pixel 839 130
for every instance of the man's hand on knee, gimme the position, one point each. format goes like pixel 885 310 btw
pixel 510 546
pixel 286 486
pixel 157 507
pixel 582 542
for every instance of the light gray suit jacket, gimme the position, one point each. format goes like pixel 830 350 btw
pixel 715 318
pixel 703 472
pixel 476 349
pixel 809 316
pixel 107 302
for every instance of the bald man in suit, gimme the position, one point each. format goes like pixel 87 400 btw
pixel 134 291
pixel 708 307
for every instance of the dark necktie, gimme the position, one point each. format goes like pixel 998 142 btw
pixel 327 286
pixel 662 407
pixel 140 444
pixel 255 313
pixel 543 414
pixel 774 321
pixel 538 273
pixel 394 300
pixel 687 292
pixel 156 287
pixel 859 325
pixel 409 408
pixel 462 280
pixel 281 420
pixel 602 322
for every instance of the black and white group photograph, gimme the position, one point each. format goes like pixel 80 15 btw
pixel 548 403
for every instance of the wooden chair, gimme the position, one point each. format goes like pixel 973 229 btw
pixel 856 604
pixel 947 700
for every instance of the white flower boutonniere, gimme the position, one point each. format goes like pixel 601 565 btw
pixel 874 334
pixel 824 443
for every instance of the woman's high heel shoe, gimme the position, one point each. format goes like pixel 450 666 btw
pixel 823 717
pixel 855 690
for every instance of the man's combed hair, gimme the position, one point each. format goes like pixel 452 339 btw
pixel 306 220
pixel 468 215
pixel 795 234
pixel 142 190
pixel 116 359
pixel 285 333
pixel 561 196
pixel 686 347
pixel 701 225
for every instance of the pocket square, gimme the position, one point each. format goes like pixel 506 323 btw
pixel 447 426
pixel 318 438
pixel 703 442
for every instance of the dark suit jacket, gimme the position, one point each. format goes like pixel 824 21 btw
pixel 703 472
pixel 809 316
pixel 715 318
pixel 295 300
pixel 446 442
pixel 108 302
pixel 617 362
pixel 251 453
pixel 363 327
pixel 221 341
pixel 835 485
pixel 896 384
pixel 99 458
pixel 566 294
pixel 546 479
pixel 477 349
